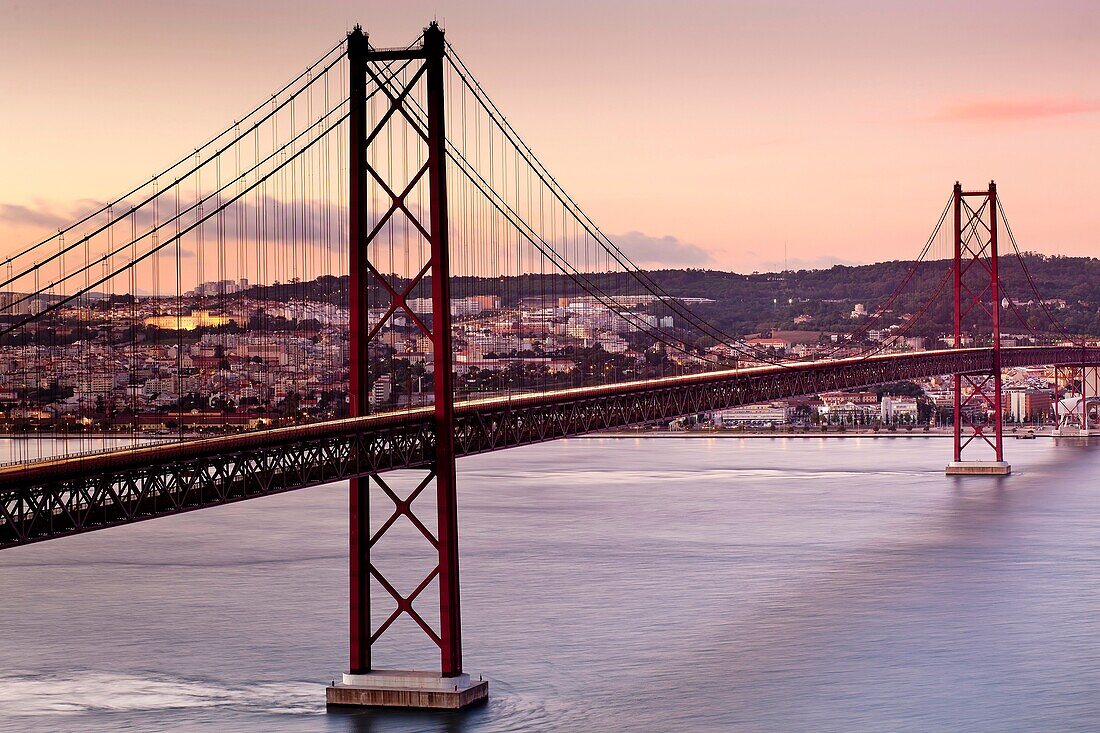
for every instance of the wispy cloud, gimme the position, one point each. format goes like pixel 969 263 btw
pixel 46 215
pixel 311 222
pixel 1011 110
pixel 667 251
pixel 764 263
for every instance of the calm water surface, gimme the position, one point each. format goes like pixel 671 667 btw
pixel 608 585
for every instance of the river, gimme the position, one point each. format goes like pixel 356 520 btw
pixel 788 584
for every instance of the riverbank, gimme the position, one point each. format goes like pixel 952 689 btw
pixel 939 433
pixel 776 434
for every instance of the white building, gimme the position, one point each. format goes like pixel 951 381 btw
pixel 611 343
pixel 762 415
pixel 898 409
pixel 381 390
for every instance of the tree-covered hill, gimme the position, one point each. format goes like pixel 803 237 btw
pixel 746 304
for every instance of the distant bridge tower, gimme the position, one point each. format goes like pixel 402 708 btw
pixel 1072 419
pixel 979 413
pixel 409 98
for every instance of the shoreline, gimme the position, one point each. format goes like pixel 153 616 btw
pixel 659 434
pixel 147 436
pixel 664 435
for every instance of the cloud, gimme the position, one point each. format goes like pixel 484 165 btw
pixel 312 222
pixel 46 215
pixel 23 215
pixel 667 251
pixel 321 224
pixel 821 262
pixel 1011 110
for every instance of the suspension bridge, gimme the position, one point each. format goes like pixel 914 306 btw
pixel 372 271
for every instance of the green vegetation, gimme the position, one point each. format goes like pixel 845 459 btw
pixel 765 301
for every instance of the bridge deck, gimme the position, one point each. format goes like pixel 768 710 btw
pixel 50 498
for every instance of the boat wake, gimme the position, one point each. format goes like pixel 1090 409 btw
pixel 76 692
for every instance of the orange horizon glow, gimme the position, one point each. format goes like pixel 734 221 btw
pixel 703 134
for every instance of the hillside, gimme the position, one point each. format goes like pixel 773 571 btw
pixel 763 301
pixel 746 303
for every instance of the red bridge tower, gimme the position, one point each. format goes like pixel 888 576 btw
pixel 414 100
pixel 979 411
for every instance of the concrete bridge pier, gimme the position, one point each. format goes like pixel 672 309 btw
pixel 1070 431
pixel 978 468
pixel 401 689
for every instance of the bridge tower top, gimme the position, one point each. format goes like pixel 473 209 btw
pixel 433 38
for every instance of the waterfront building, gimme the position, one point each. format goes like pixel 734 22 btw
pixel 895 410
pixel 1029 405
pixel 756 416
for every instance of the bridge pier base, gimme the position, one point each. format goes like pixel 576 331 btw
pixel 401 689
pixel 978 468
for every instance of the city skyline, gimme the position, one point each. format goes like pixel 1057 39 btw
pixel 888 103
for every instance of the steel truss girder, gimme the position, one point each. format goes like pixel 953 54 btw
pixel 49 499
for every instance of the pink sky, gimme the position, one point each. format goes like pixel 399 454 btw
pixel 705 133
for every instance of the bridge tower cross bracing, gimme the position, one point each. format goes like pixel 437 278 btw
pixel 1073 421
pixel 364 684
pixel 978 406
pixel 1084 404
pixel 1090 389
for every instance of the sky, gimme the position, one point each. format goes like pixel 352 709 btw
pixel 696 133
